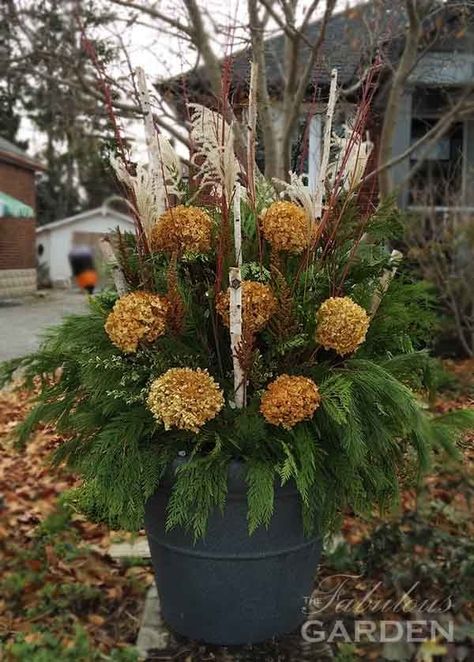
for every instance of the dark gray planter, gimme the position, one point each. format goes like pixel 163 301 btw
pixel 232 588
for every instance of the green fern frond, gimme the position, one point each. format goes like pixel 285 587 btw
pixel 260 478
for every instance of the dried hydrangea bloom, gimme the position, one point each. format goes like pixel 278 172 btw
pixel 185 399
pixel 182 230
pixel 289 400
pixel 341 325
pixel 136 317
pixel 286 227
pixel 258 305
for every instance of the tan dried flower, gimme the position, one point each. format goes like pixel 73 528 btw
pixel 182 230
pixel 185 398
pixel 258 305
pixel 136 317
pixel 341 325
pixel 286 227
pixel 289 400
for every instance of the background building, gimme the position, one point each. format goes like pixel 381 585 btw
pixel 55 240
pixel 17 220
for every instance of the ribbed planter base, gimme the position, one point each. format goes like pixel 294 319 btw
pixel 230 588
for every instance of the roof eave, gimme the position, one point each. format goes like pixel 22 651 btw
pixel 25 162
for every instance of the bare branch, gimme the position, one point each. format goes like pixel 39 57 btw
pixel 428 139
pixel 294 104
pixel 154 13
pixel 201 41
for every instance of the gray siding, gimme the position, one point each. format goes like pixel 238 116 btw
pixel 401 142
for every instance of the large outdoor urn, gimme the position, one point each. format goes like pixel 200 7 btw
pixel 232 588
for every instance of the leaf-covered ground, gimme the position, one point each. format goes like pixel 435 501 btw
pixel 63 598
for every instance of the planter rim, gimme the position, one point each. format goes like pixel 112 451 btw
pixel 236 483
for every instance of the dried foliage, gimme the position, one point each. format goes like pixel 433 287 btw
pixel 286 227
pixel 185 399
pixel 289 400
pixel 182 230
pixel 137 317
pixel 214 156
pixel 176 306
pixel 341 325
pixel 258 306
pixel 63 597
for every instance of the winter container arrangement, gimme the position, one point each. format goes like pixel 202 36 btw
pixel 259 370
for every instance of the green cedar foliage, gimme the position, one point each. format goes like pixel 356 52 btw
pixel 371 429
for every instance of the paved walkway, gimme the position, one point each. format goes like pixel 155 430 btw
pixel 22 321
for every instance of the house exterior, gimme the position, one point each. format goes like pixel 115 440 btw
pixel 54 242
pixel 445 70
pixel 17 221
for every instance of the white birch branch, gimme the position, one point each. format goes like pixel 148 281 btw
pixel 235 311
pixel 385 280
pixel 251 131
pixel 237 226
pixel 320 185
pixel 112 263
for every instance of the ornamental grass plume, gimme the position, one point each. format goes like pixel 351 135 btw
pixel 289 400
pixel 286 227
pixel 258 305
pixel 341 324
pixel 185 399
pixel 137 317
pixel 181 230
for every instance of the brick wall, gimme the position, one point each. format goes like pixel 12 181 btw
pixel 17 243
pixel 18 182
pixel 369 193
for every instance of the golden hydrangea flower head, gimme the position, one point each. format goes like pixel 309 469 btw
pixel 258 305
pixel 185 399
pixel 136 317
pixel 341 324
pixel 289 400
pixel 183 230
pixel 286 227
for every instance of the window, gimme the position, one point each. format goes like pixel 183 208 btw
pixel 438 177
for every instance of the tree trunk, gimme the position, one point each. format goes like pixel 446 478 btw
pixel 407 62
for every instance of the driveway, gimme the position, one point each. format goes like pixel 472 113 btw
pixel 23 321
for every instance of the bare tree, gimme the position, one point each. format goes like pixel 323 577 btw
pixel 399 79
pixel 300 55
pixel 191 24
pixel 263 16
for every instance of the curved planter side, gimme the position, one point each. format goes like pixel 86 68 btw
pixel 232 588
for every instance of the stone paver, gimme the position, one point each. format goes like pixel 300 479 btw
pixel 22 321
pixel 122 550
pixel 153 634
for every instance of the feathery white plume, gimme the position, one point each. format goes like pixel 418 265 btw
pixel 214 157
pixel 298 192
pixel 147 189
pixel 352 155
pixel 153 183
pixel 170 163
pixel 150 187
